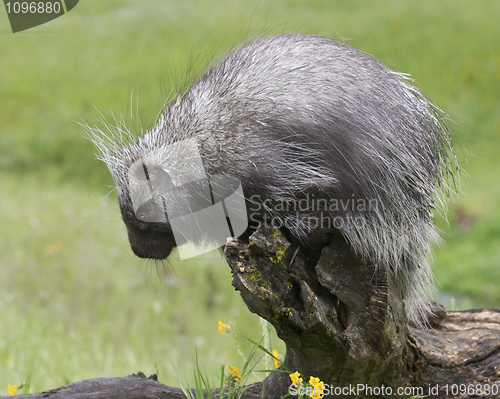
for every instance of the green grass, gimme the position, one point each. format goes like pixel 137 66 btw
pixel 74 302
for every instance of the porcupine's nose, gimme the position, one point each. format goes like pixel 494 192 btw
pixel 151 244
pixel 147 239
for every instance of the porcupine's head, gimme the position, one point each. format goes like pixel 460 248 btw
pixel 142 169
pixel 165 195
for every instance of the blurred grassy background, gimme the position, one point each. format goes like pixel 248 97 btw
pixel 74 301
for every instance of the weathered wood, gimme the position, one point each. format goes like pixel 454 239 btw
pixel 341 321
pixel 461 348
pixel 135 386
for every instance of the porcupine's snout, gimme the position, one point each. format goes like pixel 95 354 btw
pixel 157 209
pixel 144 203
pixel 147 240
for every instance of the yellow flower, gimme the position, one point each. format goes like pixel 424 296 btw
pixel 295 377
pixel 317 393
pixel 235 372
pixel 315 382
pixel 275 358
pixel 223 327
pixel 12 389
pixel 318 386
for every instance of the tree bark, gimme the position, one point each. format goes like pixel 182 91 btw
pixel 343 321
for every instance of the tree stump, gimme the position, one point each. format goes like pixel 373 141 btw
pixel 342 321
pixel 339 318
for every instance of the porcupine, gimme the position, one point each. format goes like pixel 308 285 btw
pixel 301 118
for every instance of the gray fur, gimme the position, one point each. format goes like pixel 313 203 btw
pixel 294 116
